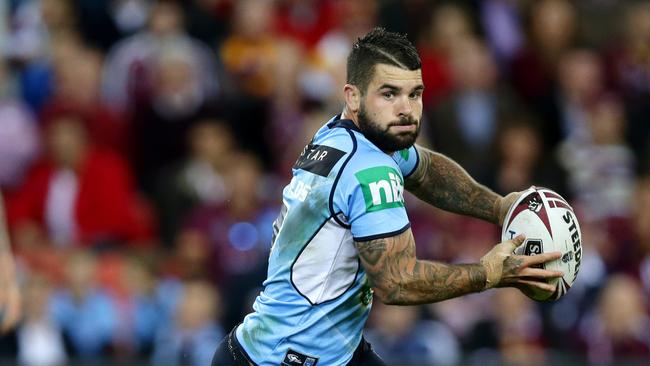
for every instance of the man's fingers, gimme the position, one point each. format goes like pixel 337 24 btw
pixel 543 258
pixel 540 273
pixel 512 244
pixel 544 286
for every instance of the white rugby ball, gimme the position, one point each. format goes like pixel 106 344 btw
pixel 550 225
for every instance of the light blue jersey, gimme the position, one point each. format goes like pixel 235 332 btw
pixel 316 297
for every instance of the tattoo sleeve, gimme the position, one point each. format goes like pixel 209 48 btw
pixel 399 278
pixel 443 183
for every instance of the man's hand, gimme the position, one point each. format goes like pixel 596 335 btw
pixel 504 204
pixel 506 269
pixel 9 292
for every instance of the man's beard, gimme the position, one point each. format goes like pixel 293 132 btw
pixel 382 138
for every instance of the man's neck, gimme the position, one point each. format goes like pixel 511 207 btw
pixel 351 116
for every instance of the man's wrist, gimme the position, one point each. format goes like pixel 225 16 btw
pixel 491 276
pixel 499 213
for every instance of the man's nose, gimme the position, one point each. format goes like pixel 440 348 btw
pixel 404 107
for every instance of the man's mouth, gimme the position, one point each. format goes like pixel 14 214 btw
pixel 404 127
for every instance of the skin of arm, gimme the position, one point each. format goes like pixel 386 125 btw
pixel 10 299
pixel 399 278
pixel 443 183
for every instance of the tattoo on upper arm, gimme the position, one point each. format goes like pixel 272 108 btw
pixel 443 183
pixel 400 278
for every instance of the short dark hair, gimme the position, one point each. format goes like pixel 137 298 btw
pixel 379 47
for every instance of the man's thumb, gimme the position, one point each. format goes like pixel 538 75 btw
pixel 512 244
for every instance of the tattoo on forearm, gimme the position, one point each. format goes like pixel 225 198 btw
pixel 443 183
pixel 400 278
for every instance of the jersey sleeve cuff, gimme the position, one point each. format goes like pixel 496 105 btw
pixel 383 235
pixel 417 162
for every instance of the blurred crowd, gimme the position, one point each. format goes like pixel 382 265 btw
pixel 144 145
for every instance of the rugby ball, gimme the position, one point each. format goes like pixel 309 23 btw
pixel 550 225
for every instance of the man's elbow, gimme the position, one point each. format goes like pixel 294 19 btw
pixel 388 294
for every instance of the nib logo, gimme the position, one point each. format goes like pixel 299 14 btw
pixel 382 188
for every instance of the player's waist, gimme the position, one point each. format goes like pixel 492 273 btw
pixel 291 356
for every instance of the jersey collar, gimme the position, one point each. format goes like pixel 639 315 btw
pixel 345 123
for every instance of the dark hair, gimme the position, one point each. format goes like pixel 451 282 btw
pixel 379 47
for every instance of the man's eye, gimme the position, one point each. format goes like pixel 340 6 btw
pixel 388 95
pixel 415 95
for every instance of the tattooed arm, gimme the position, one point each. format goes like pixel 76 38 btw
pixel 443 183
pixel 399 278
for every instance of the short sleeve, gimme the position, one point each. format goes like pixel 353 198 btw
pixel 374 204
pixel 407 160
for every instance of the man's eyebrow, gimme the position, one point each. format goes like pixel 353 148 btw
pixel 398 89
pixel 391 87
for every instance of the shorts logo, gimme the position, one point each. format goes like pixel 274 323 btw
pixel 293 358
pixel 382 188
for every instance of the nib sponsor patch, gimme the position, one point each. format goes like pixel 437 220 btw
pixel 293 358
pixel 382 188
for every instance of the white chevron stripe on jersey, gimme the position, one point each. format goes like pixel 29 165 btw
pixel 327 266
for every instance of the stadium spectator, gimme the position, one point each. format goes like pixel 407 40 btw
pixel 40 339
pixel 304 21
pixel 33 39
pixel 512 326
pixel 551 29
pixel 161 123
pixel 139 313
pixel 599 165
pixel 464 125
pixel 618 326
pixel 85 313
pixel 627 63
pixel 501 20
pixel 191 336
pixel 238 232
pixel 19 138
pixel 208 20
pixel 35 23
pixel 128 71
pixel 199 180
pixel 327 61
pixel 450 25
pixel 77 75
pixel 78 194
pixel 252 56
pixel 401 336
pixel 641 229
pixel 522 162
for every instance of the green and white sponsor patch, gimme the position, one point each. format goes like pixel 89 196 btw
pixel 405 154
pixel 382 188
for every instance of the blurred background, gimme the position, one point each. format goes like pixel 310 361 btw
pixel 144 145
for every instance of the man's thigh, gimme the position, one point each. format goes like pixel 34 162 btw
pixel 229 352
pixel 223 357
pixel 365 356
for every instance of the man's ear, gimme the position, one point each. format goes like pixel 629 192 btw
pixel 352 97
